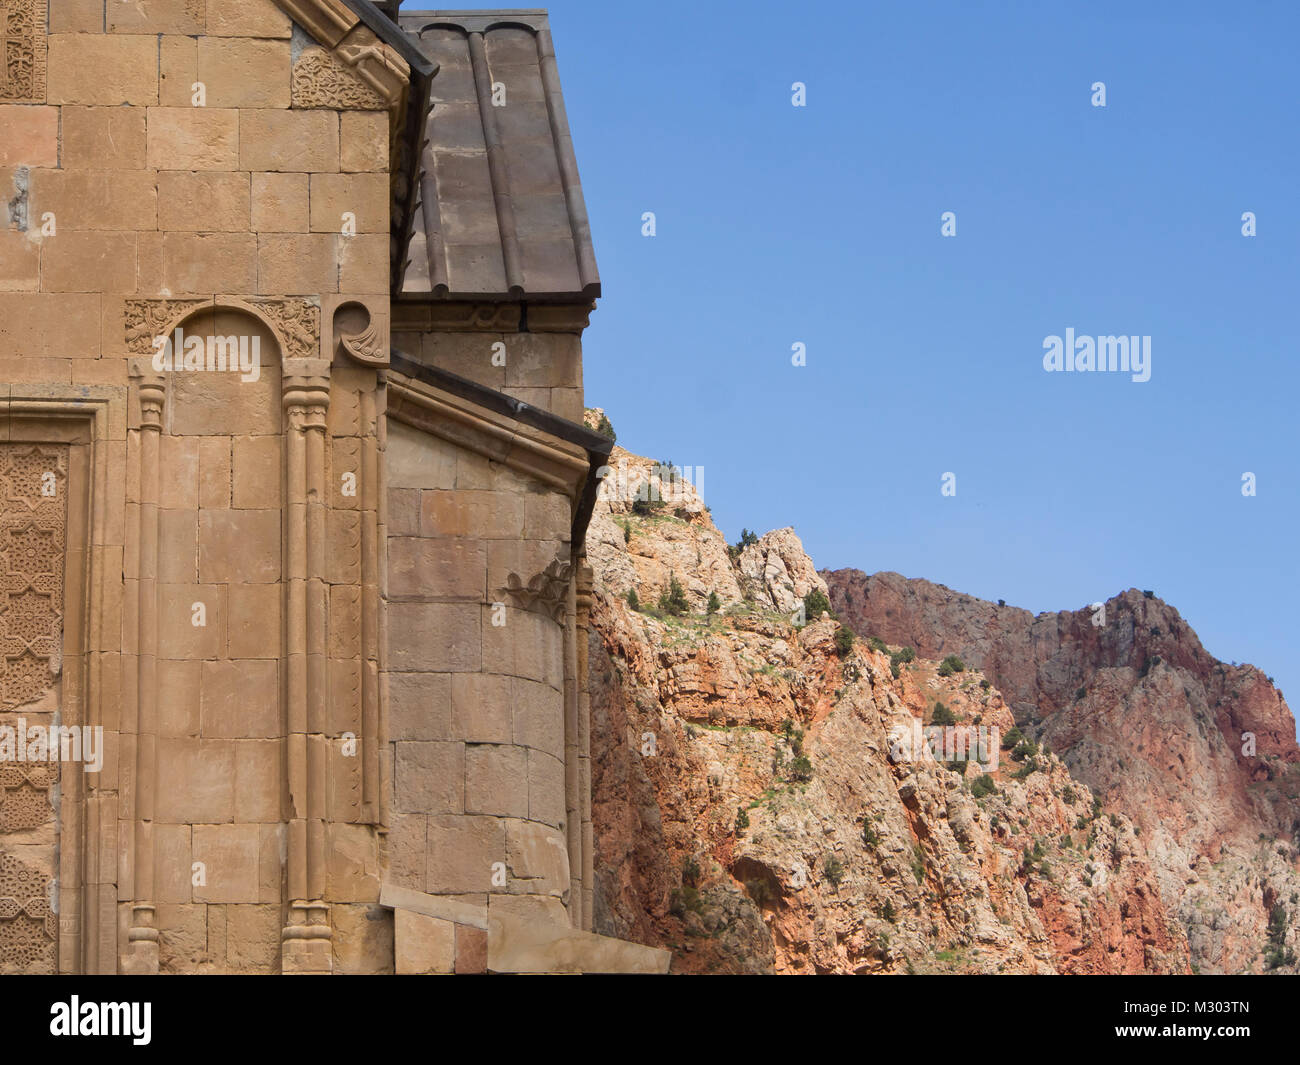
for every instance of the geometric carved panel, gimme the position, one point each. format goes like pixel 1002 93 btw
pixel 33 538
pixel 33 518
pixel 22 51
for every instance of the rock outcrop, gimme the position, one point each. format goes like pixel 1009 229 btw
pixel 763 800
pixel 1200 754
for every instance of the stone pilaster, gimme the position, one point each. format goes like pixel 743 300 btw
pixel 142 935
pixel 585 578
pixel 305 941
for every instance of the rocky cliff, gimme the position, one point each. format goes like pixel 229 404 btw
pixel 765 800
pixel 1200 754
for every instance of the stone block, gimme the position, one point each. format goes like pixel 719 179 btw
pixel 258 777
pixel 253 628
pixel 230 856
pixel 247 18
pixel 77 16
pixel 429 777
pixel 461 851
pixel 423 945
pixel 297 265
pixel 363 263
pixel 363 141
pixel 420 706
pixel 178 635
pixel 177 542
pixel 203 202
pixel 214 472
pixel 20 262
pixel 471 950
pixel 545 788
pixel 95 199
pixel 209 262
pixel 304 142
pixel 196 781
pixel 353 869
pixel 107 69
pixel 253 939
pixel 489 515
pixel 178 476
pixel 239 546
pixel 178 698
pixel 193 138
pixel 257 461
pixel 452 568
pixel 362 198
pixel 240 699
pixel 496 780
pixel 280 203
pixel 363 939
pixel 538 716
pixel 154 16
pixel 89 262
pixel 31 136
pixel 538 858
pixel 435 637
pixel 417 460
pixel 172 862
pixel 481 708
pixel 404 511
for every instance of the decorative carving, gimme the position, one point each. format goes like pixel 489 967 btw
pixel 148 319
pixel 33 533
pixel 489 317
pixel 321 80
pixel 305 392
pixel 27 924
pixel 370 346
pixel 22 51
pixel 298 322
pixel 33 486
pixel 547 591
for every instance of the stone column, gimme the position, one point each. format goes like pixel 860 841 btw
pixel 585 579
pixel 305 941
pixel 142 933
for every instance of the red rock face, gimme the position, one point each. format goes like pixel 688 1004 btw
pixel 1202 755
pixel 752 813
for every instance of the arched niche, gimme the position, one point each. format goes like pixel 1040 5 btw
pixel 225 380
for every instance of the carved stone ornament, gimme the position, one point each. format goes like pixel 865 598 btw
pixel 33 486
pixel 547 591
pixel 22 51
pixel 297 320
pixel 370 346
pixel 323 81
pixel 147 320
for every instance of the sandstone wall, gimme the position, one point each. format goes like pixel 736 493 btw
pixel 204 163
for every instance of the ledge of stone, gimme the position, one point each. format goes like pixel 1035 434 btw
pixel 518 944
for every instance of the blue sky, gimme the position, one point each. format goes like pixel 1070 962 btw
pixel 821 224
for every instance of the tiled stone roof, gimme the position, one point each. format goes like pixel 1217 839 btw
pixel 502 214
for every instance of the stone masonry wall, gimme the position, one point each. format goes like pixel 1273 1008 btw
pixel 158 158
pixel 475 683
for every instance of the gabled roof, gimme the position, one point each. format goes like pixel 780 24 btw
pixel 502 215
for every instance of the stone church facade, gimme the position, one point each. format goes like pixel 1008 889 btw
pixel 293 490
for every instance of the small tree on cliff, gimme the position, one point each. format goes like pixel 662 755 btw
pixel 673 598
pixel 815 603
pixel 843 641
